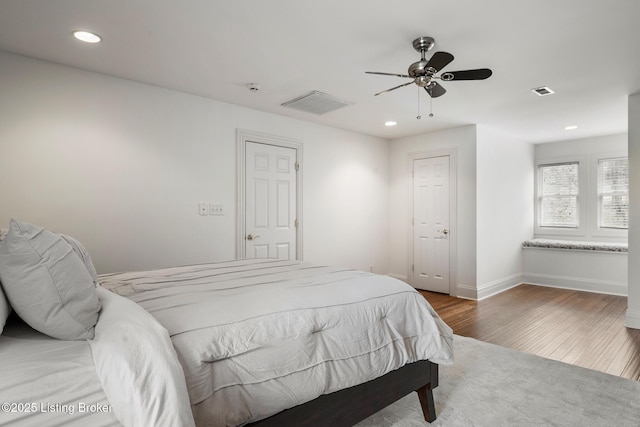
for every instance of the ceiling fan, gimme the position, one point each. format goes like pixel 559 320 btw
pixel 424 71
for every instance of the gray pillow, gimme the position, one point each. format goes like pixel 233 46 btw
pixel 5 309
pixel 82 252
pixel 47 284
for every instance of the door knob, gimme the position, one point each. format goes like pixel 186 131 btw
pixel 251 237
pixel 445 231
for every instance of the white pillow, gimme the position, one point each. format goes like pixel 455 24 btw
pixel 3 233
pixel 47 284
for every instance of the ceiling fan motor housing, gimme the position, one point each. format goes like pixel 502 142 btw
pixel 419 70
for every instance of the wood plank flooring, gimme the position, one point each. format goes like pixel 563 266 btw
pixel 580 328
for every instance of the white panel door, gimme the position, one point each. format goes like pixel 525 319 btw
pixel 270 201
pixel 431 224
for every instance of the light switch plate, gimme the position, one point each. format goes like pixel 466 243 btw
pixel 215 209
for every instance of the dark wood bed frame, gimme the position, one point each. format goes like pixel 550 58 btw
pixel 344 408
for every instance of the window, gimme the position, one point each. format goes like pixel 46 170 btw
pixel 613 193
pixel 558 195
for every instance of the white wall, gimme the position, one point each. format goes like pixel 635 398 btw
pixel 588 150
pixel 592 271
pixel 595 271
pixel 463 141
pixel 633 300
pixel 122 166
pixel 505 172
pixel 582 146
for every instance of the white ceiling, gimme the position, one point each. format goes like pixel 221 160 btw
pixel 585 50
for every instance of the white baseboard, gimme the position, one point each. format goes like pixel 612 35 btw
pixel 488 289
pixel 492 288
pixel 466 292
pixel 632 319
pixel 563 282
pixel 576 283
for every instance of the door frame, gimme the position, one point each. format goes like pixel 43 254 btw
pixel 243 137
pixel 453 213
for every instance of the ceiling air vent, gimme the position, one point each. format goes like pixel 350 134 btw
pixel 542 91
pixel 316 102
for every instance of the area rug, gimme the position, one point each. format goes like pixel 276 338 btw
pixel 489 385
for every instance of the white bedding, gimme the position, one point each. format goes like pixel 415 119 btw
pixel 45 381
pixel 138 367
pixel 128 375
pixel 258 336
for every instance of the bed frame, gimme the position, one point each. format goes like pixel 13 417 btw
pixel 344 408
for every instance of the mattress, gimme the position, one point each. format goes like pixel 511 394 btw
pixel 255 337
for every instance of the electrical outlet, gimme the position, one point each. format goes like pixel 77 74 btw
pixel 216 209
pixel 202 207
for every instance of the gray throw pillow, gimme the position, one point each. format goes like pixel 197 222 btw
pixel 5 309
pixel 47 284
pixel 82 252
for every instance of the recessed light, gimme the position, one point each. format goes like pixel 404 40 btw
pixel 87 36
pixel 572 127
pixel 390 123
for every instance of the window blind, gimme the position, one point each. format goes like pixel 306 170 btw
pixel 613 192
pixel 559 195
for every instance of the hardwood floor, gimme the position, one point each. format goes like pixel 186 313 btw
pixel 580 328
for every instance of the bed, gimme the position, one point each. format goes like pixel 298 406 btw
pixel 243 342
pixel 258 336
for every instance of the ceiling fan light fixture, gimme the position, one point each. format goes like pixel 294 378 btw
pixel 423 81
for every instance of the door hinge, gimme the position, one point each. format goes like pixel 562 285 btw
pixel 297 166
pixel 412 268
pixel 296 223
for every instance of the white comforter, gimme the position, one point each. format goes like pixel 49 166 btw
pixel 128 375
pixel 138 367
pixel 258 336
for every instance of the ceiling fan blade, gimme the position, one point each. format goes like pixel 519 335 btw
pixel 394 88
pixel 479 74
pixel 435 90
pixel 387 74
pixel 439 60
